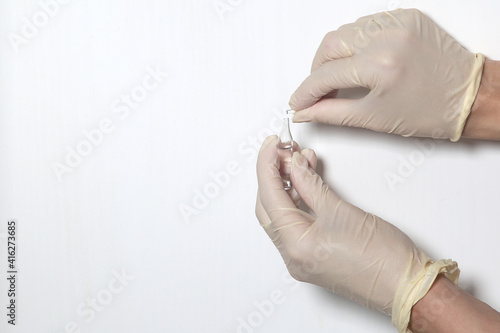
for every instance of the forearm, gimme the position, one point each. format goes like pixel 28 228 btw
pixel 448 308
pixel 484 119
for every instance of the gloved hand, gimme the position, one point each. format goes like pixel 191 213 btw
pixel 422 82
pixel 341 248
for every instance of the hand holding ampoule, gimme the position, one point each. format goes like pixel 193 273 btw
pixel 286 147
pixel 339 246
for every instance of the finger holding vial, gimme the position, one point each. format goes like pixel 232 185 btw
pixel 312 160
pixel 268 174
pixel 286 147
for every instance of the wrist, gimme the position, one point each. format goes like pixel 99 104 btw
pixel 448 308
pixel 428 313
pixel 484 119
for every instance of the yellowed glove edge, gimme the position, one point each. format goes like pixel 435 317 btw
pixel 409 292
pixel 470 94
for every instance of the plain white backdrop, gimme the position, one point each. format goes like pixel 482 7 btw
pixel 128 140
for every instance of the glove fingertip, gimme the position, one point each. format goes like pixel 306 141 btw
pixel 299 160
pixel 310 155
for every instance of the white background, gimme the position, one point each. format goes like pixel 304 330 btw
pixel 119 209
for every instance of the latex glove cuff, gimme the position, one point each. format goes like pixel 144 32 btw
pixel 409 292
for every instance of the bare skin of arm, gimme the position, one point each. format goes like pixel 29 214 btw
pixel 449 309
pixel 484 119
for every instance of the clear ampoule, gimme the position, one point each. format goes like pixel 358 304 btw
pixel 285 150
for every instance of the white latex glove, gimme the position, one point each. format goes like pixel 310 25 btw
pixel 340 247
pixel 422 82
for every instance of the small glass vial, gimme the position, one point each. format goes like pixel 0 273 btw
pixel 285 150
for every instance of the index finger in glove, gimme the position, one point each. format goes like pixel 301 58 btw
pixel 271 192
pixel 275 208
pixel 335 45
pixel 310 156
pixel 353 37
pixel 332 75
